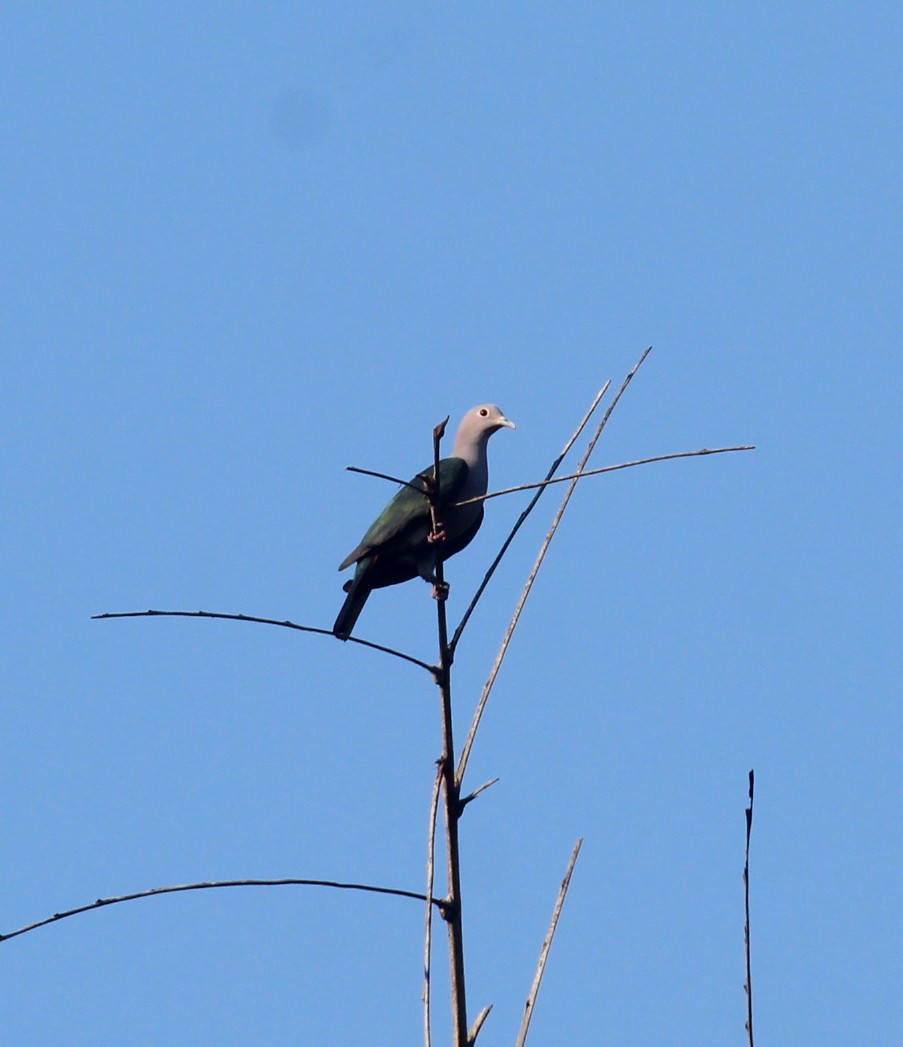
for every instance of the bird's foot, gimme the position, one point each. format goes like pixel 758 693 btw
pixel 440 591
pixel 436 536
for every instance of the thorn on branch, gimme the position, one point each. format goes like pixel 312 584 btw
pixel 477 1025
pixel 476 793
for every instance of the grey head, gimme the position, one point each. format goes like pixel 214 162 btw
pixel 475 429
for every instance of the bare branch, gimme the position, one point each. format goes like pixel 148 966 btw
pixel 430 876
pixel 607 469
pixel 529 509
pixel 748 986
pixel 477 1025
pixel 266 621
pixel 450 791
pixel 433 485
pixel 546 946
pixel 385 476
pixel 531 578
pixel 153 891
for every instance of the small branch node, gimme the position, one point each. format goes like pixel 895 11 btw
pixel 447 909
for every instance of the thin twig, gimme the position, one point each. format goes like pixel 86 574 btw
pixel 607 469
pixel 266 621
pixel 523 516
pixel 386 476
pixel 433 484
pixel 546 946
pixel 531 578
pixel 430 877
pixel 152 892
pixel 748 986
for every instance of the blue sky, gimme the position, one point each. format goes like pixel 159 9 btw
pixel 248 245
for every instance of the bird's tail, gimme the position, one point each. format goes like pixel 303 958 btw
pixel 358 592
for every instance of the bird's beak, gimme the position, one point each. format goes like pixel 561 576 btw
pixel 506 422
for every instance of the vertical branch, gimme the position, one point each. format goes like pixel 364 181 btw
pixel 546 946
pixel 748 985
pixel 428 937
pixel 452 806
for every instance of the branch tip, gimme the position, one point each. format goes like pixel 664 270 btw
pixel 478 1024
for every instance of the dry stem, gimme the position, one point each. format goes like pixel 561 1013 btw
pixel 546 946
pixel 430 876
pixel 748 986
pixel 450 792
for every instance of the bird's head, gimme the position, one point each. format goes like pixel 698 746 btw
pixel 484 419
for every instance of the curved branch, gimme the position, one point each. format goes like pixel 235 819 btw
pixel 478 1024
pixel 153 891
pixel 265 621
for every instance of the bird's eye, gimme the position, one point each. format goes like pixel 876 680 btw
pixel 483 412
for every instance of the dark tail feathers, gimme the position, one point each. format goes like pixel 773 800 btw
pixel 351 608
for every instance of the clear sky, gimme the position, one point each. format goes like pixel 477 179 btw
pixel 246 245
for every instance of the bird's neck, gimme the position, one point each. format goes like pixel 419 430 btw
pixel 474 454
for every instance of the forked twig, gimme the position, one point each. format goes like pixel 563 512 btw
pixel 265 621
pixel 546 946
pixel 153 891
pixel 529 509
pixel 748 986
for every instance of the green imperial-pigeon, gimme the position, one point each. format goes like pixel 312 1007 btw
pixel 397 546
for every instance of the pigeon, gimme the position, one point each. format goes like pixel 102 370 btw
pixel 399 544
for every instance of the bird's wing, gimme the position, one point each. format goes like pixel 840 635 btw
pixel 409 509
